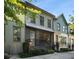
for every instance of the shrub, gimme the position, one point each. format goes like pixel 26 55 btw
pixel 64 49
pixel 6 57
pixel 23 55
pixel 38 51
pixel 35 52
pixel 43 51
pixel 50 51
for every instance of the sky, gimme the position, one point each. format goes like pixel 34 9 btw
pixel 56 7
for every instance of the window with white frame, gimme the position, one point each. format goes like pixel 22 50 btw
pixel 63 28
pixel 63 40
pixel 58 26
pixel 49 23
pixel 16 33
pixel 42 20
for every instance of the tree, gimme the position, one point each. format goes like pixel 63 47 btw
pixel 10 10
pixel 14 7
pixel 71 19
pixel 71 24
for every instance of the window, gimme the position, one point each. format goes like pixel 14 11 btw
pixel 42 20
pixel 49 23
pixel 58 26
pixel 63 28
pixel 16 33
pixel 33 20
pixel 63 40
pixel 43 39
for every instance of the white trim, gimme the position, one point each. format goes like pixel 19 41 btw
pixel 39 27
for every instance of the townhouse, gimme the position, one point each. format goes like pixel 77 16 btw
pixel 42 31
pixel 71 39
pixel 39 31
pixel 60 32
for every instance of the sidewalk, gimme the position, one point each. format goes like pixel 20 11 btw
pixel 65 55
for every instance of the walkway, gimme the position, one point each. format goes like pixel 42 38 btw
pixel 65 55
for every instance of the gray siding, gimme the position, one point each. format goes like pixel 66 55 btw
pixel 46 17
pixel 11 46
pixel 62 23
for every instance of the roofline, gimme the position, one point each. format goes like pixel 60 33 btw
pixel 63 17
pixel 31 5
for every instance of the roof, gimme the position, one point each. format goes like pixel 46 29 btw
pixel 31 5
pixel 63 17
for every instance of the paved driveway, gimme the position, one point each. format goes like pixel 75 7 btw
pixel 66 55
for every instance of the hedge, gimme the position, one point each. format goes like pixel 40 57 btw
pixel 36 52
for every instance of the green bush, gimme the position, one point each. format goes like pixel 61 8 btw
pixel 23 55
pixel 50 51
pixel 64 49
pixel 36 52
pixel 6 57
